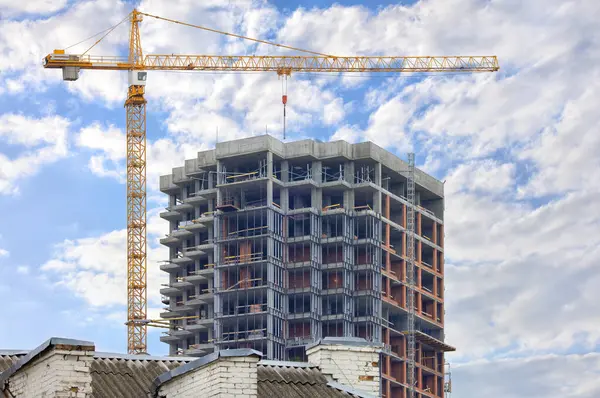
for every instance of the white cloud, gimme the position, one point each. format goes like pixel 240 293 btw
pixel 4 253
pixel 386 126
pixel 9 8
pixel 23 269
pixel 333 112
pixel 487 176
pixel 95 268
pixel 110 142
pixel 566 153
pixel 44 140
pixel 552 376
pixel 347 133
pixel 37 38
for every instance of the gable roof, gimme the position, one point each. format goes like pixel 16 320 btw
pixel 45 346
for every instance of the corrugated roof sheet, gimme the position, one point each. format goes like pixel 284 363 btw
pixel 294 382
pixel 8 358
pixel 119 377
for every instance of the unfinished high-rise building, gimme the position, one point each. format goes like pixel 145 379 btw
pixel 275 245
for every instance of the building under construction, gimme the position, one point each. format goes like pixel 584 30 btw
pixel 276 245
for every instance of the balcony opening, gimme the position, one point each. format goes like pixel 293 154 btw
pixel 299 253
pixel 332 200
pixel 246 251
pixel 427 227
pixel 246 224
pixel 427 255
pixel 299 304
pixel 365 306
pixel 243 278
pixel 299 171
pixel 254 303
pixel 365 255
pixel 300 199
pixel 428 383
pixel 332 254
pixel 298 279
pixel 276 197
pixel 299 225
pixel 332 171
pixel 364 173
pixel 333 226
pixel 427 307
pixel 364 227
pixel 363 201
pixel 277 168
pixel 429 359
pixel 333 329
pixel 332 280
pixel 250 167
pixel 427 282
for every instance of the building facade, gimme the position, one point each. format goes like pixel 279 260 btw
pixel 275 246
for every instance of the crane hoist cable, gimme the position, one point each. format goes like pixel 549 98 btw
pixel 284 99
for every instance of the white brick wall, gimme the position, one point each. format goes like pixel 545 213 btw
pixel 355 366
pixel 225 377
pixel 57 373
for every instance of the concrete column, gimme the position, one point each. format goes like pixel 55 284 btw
pixel 317 198
pixel 377 194
pixel 284 199
pixel 270 180
pixel 349 199
pixel 210 178
pixel 219 177
pixel 317 167
pixel 377 175
pixel 349 172
pixel 316 194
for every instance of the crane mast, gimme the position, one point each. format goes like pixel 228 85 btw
pixel 136 197
pixel 137 64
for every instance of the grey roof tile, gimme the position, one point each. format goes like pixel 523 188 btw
pixel 8 359
pixel 294 382
pixel 128 378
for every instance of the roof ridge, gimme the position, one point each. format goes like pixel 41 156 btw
pixel 309 382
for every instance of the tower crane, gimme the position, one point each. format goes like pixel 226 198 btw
pixel 137 65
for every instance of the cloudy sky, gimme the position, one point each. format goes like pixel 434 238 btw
pixel 518 149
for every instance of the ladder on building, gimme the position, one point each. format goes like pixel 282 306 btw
pixel 410 256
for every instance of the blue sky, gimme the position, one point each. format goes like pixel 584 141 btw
pixel 518 150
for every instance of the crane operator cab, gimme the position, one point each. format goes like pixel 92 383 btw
pixel 137 78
